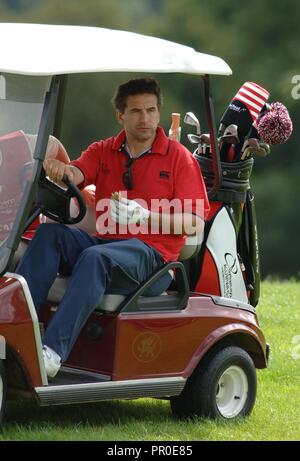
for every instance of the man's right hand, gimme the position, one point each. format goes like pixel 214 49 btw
pixel 56 169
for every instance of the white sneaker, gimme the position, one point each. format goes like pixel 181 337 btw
pixel 52 361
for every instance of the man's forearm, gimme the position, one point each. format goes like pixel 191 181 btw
pixel 176 224
pixel 55 168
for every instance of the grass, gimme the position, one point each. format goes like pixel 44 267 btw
pixel 276 415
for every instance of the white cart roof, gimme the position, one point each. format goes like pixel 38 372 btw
pixel 39 49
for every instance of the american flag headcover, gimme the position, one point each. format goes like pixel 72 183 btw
pixel 245 107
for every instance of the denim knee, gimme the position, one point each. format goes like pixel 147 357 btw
pixel 49 229
pixel 91 255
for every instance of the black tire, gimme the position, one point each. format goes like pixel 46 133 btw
pixel 3 389
pixel 205 394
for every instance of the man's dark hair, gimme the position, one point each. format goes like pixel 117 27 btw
pixel 133 87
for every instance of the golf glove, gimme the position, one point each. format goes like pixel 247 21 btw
pixel 126 211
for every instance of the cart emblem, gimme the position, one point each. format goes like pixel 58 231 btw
pixel 146 347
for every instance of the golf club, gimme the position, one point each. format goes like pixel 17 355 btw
pixel 191 119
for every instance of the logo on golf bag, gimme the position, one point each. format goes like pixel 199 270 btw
pixel 231 263
pixel 237 108
pixel 229 269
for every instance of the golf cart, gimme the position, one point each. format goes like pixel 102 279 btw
pixel 198 344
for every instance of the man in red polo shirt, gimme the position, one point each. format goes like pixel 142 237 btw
pixel 162 198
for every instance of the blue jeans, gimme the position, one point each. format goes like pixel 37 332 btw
pixel 95 266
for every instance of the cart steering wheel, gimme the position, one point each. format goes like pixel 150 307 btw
pixel 54 201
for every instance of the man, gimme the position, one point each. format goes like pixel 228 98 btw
pixel 143 166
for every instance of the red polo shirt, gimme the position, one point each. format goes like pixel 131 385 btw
pixel 169 171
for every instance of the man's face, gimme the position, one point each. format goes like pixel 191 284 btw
pixel 140 117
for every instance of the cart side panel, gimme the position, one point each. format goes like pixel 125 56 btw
pixel 17 327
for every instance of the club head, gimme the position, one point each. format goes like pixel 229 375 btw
pixel 229 138
pixel 191 119
pixel 253 146
pixel 205 138
pixel 232 130
pixel 230 135
pixel 258 147
pixel 194 139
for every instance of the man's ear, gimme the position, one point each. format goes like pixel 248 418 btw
pixel 119 117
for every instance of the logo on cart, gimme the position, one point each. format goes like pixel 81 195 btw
pixel 146 347
pixel 231 263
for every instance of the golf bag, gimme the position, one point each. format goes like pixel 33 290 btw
pixel 228 262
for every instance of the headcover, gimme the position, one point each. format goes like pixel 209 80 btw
pixel 245 108
pixel 275 126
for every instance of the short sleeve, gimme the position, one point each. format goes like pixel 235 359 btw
pixel 89 163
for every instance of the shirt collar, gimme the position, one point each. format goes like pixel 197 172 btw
pixel 159 146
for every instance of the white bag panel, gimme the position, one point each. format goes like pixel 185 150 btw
pixel 221 243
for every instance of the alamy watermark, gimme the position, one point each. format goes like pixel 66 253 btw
pixel 296 347
pixel 296 88
pixel 2 348
pixel 168 209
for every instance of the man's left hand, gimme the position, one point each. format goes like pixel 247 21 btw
pixel 126 211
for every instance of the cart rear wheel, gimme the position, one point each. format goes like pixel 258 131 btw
pixel 2 389
pixel 222 386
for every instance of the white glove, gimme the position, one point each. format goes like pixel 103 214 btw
pixel 128 212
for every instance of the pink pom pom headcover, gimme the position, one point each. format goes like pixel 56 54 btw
pixel 275 126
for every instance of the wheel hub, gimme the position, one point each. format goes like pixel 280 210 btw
pixel 232 392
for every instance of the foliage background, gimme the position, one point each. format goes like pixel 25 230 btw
pixel 260 42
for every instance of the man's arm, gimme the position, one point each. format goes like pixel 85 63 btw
pixel 56 169
pixel 176 224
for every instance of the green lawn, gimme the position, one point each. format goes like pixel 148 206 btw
pixel 276 415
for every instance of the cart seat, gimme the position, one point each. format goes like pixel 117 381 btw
pixel 111 302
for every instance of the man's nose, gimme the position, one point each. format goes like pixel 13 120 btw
pixel 143 115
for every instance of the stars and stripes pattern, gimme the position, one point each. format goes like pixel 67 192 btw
pixel 253 97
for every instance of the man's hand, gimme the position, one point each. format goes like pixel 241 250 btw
pixel 56 169
pixel 126 211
